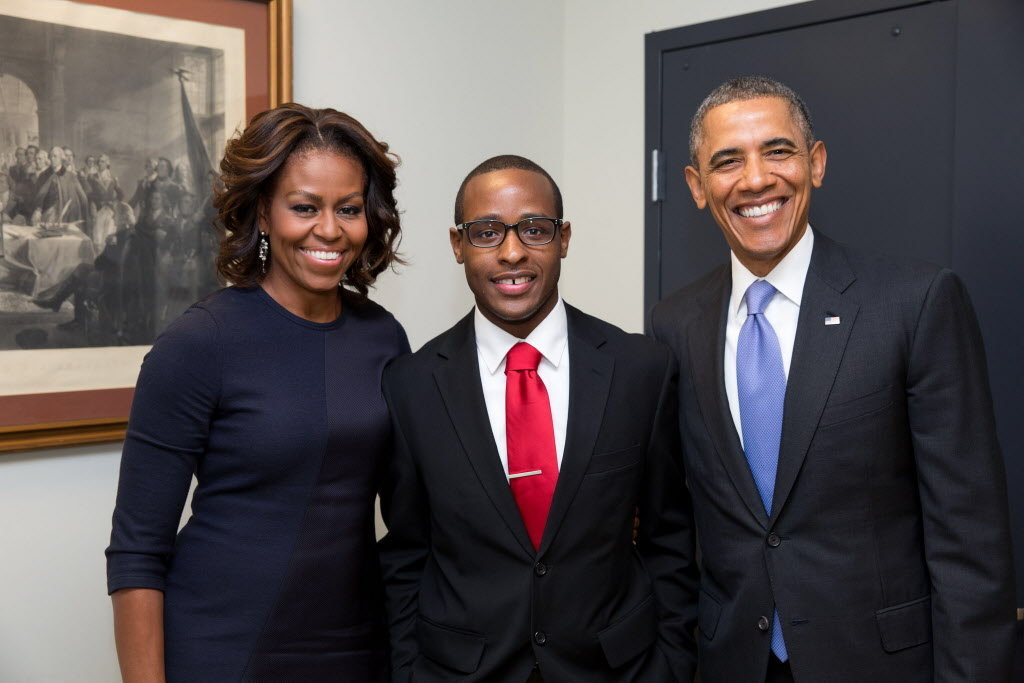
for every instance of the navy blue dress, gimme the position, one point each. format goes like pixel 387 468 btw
pixel 282 421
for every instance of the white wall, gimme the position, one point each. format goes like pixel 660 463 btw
pixel 447 85
pixel 564 85
pixel 55 618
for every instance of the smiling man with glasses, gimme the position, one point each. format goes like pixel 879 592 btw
pixel 528 438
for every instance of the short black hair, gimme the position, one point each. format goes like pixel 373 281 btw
pixel 501 163
pixel 749 88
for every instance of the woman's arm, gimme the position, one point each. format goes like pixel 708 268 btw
pixel 175 397
pixel 139 634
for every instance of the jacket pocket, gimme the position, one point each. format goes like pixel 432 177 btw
pixel 612 461
pixel 905 625
pixel 708 613
pixel 858 407
pixel 455 649
pixel 630 636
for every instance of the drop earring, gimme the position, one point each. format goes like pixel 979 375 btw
pixel 264 250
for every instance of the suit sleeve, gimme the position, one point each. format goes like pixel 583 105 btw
pixel 404 549
pixel 666 538
pixel 962 486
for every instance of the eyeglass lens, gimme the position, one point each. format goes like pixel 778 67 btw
pixel 532 231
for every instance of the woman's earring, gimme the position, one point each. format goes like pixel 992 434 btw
pixel 264 250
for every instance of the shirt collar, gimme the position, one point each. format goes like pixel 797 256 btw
pixel 550 337
pixel 787 276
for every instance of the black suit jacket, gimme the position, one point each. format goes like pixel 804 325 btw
pixel 887 550
pixel 468 597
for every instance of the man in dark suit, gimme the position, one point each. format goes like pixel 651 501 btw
pixel 839 441
pixel 528 438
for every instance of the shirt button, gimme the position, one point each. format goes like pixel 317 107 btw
pixel 540 638
pixel 773 540
pixel 540 569
pixel 763 624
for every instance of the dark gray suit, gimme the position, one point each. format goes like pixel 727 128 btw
pixel 468 597
pixel 887 551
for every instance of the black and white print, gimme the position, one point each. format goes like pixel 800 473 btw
pixel 108 143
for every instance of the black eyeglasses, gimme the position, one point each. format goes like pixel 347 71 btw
pixel 533 232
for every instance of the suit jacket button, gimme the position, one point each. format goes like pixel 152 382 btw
pixel 763 624
pixel 540 637
pixel 540 569
pixel 773 540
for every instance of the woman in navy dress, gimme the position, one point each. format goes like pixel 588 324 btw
pixel 269 393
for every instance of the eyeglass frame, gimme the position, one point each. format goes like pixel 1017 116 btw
pixel 515 227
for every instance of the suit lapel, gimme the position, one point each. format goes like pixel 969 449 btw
pixel 590 379
pixel 707 359
pixel 458 380
pixel 817 352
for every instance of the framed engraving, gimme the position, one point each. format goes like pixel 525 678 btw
pixel 113 117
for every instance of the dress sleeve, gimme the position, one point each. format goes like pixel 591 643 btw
pixel 175 398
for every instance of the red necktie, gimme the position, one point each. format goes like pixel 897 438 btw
pixel 530 434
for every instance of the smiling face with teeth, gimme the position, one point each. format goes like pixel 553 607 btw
pixel 755 174
pixel 316 223
pixel 515 285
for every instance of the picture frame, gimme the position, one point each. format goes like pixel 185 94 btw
pixel 45 419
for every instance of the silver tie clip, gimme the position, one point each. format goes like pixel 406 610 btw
pixel 525 474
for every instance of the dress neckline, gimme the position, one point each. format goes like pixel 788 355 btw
pixel 299 320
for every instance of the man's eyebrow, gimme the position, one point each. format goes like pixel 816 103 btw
pixel 778 142
pixel 720 154
pixel 484 217
pixel 495 217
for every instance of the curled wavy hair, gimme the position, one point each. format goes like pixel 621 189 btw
pixel 249 171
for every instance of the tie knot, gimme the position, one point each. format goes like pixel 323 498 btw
pixel 758 295
pixel 522 356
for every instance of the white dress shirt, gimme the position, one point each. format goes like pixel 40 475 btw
pixel 551 338
pixel 782 311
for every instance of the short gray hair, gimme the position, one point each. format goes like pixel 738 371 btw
pixel 749 88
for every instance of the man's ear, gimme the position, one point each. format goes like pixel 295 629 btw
pixel 565 233
pixel 696 187
pixel 455 237
pixel 818 158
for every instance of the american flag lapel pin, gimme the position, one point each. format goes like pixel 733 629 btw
pixel 831 319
